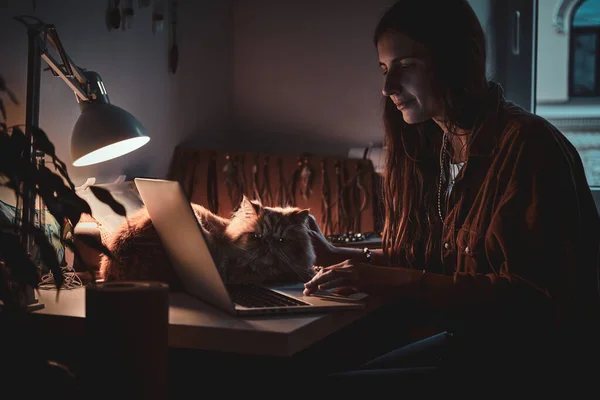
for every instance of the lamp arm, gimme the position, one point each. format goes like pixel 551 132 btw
pixel 70 66
pixel 68 71
pixel 73 83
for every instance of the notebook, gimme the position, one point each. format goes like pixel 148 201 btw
pixel 184 242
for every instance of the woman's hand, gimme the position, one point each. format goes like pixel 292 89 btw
pixel 344 278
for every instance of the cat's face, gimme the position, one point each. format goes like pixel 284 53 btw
pixel 274 242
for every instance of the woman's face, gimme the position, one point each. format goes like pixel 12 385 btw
pixel 405 67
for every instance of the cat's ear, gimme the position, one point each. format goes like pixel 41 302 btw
pixel 258 208
pixel 301 216
pixel 251 207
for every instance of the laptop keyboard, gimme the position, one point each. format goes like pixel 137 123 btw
pixel 253 296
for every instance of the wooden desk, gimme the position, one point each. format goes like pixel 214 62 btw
pixel 196 325
pixel 206 344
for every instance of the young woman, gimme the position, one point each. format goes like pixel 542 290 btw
pixel 490 223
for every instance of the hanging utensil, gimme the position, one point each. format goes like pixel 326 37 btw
pixel 265 191
pixel 212 189
pixel 255 186
pixel 123 21
pixel 326 206
pixel 174 52
pixel 306 179
pixel 231 181
pixel 284 197
pixel 108 16
pixel 127 13
pixel 115 15
pixel 158 16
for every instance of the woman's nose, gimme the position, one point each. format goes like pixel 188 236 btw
pixel 389 87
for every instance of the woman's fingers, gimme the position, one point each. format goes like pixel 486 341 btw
pixel 329 277
pixel 336 266
pixel 330 284
pixel 317 279
pixel 312 285
pixel 328 274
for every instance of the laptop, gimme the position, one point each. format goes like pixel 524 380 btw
pixel 184 242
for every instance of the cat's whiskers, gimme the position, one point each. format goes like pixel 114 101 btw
pixel 249 258
pixel 292 265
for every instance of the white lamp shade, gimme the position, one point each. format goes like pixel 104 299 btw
pixel 103 132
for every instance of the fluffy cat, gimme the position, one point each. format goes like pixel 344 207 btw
pixel 257 244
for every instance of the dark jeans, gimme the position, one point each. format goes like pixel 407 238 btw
pixel 447 363
pixel 414 367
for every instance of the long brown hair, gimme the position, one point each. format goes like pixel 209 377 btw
pixel 451 33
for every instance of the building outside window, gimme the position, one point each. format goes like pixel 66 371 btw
pixel 568 75
pixel 584 64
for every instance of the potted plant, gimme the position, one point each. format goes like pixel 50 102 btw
pixel 19 273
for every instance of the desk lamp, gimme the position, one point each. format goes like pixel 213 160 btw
pixel 103 130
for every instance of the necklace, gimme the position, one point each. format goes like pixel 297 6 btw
pixel 442 162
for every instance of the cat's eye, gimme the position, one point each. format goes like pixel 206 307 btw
pixel 281 240
pixel 257 235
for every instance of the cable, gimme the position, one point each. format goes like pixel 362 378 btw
pixel 71 280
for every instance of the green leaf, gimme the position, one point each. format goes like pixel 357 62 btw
pixel 54 206
pixel 91 269
pixel 2 110
pixel 41 142
pixel 95 244
pixel 50 180
pixel 21 267
pixel 5 89
pixel 74 206
pixel 62 169
pixel 104 196
pixel 18 141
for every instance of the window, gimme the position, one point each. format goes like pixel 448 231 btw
pixel 584 58
pixel 568 75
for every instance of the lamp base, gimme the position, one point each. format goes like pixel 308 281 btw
pixel 34 306
pixel 29 302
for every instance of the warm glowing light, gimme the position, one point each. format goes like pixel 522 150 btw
pixel 111 151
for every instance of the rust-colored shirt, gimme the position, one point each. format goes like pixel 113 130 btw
pixel 522 232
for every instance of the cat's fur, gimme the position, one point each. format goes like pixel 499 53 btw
pixel 257 244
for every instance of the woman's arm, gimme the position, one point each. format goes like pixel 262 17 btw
pixel 339 254
pixel 328 254
pixel 380 280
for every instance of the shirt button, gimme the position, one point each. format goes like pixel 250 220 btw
pixel 467 250
pixel 446 245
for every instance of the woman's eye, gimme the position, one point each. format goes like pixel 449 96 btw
pixel 403 66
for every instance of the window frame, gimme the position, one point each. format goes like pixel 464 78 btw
pixel 572 39
pixel 563 15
